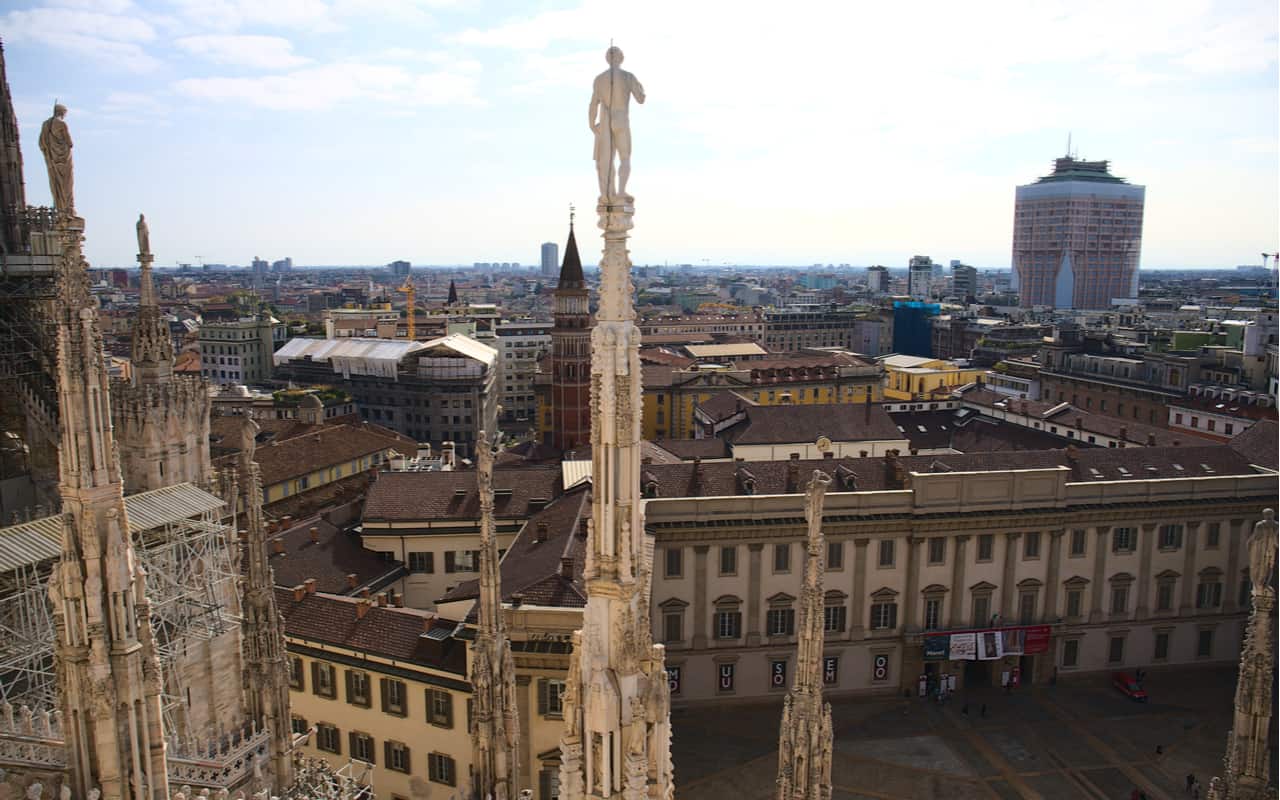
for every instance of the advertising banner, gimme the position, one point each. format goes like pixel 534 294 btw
pixel 964 646
pixel 1037 640
pixel 989 646
pixel 937 648
pixel 1011 641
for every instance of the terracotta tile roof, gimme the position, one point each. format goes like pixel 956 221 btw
pixel 383 631
pixel 723 405
pixel 336 554
pixel 1230 408
pixel 979 434
pixel 689 449
pixel 839 422
pixel 1072 417
pixel 1259 444
pixel 532 568
pixel 654 355
pixel 422 496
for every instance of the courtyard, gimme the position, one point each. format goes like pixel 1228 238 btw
pixel 1078 739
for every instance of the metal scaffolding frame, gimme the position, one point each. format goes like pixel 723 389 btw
pixel 27 672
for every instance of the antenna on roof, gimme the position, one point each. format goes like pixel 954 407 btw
pixel 1069 145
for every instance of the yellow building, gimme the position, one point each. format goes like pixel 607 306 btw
pixel 917 377
pixel 671 393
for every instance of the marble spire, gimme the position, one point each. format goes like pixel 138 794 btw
pixel 616 743
pixel 109 674
pixel 805 741
pixel 495 723
pixel 1248 760
pixel 266 665
pixel 152 347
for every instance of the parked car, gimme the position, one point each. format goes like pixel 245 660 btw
pixel 1129 686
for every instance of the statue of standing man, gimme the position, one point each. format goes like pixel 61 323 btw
pixel 55 143
pixel 144 236
pixel 610 97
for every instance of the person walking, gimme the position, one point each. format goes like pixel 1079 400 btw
pixel 1191 781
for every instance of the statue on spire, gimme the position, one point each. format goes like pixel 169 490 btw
pixel 611 123
pixel 804 748
pixel 55 143
pixel 144 236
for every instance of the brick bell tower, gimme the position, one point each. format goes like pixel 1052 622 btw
pixel 571 354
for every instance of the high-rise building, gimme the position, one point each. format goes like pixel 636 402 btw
pixel 550 259
pixel 877 279
pixel 964 281
pixel 400 269
pixel 919 275
pixel 1077 236
pixel 283 265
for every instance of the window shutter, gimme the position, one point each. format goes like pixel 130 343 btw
pixel 351 743
pixel 386 752
pixel 382 684
pixel 448 561
pixel 373 752
pixel 544 784
pixel 543 703
pixel 475 560
pixel 431 562
pixel 350 678
pixel 408 766
pixel 448 710
pixel 315 677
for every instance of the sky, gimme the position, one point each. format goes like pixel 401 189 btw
pixel 448 132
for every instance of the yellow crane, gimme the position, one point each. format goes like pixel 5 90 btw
pixel 408 289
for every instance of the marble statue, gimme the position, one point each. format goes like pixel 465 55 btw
pixel 610 122
pixel 144 236
pixel 55 143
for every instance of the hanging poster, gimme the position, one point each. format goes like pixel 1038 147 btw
pixel 989 645
pixel 1011 640
pixel 964 646
pixel 1037 640
pixel 937 648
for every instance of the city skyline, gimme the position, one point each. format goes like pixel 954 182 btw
pixel 365 131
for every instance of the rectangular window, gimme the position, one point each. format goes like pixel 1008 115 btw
pixel 835 555
pixel 322 682
pixel 674 562
pixel 463 561
pixel 361 746
pixel 327 738
pixel 673 626
pixel 1170 537
pixel 986 546
pixel 937 550
pixel 394 700
pixel 981 610
pixel 728 560
pixel 1079 542
pixel 441 769
pixel 1204 643
pixel 725 677
pixel 1070 652
pixel 1119 599
pixel 1115 650
pixel 1122 540
pixel 1208 594
pixel 833 618
pixel 1164 596
pixel 296 671
pixel 1162 646
pixel 932 613
pixel 728 624
pixel 781 621
pixel 886 552
pixel 422 562
pixel 550 697
pixel 1027 608
pixel 884 616
pixel 1214 535
pixel 397 756
pixel 1031 545
pixel 1075 598
pixel 439 708
pixel 358 688
pixel 298 725
pixel 781 557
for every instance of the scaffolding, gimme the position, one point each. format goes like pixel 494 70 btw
pixel 186 549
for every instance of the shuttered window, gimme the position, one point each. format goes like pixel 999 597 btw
pixel 393 697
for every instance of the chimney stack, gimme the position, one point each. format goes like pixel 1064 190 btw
pixel 310 584
pixel 566 568
pixel 299 592
pixel 277 547
pixel 1073 453
pixel 540 533
pixel 793 473
pixel 362 608
pixel 382 599
pixel 315 535
pixel 1151 440
pixel 353 580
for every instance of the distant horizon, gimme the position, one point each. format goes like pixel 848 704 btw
pixel 700 267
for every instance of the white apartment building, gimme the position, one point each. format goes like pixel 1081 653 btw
pixel 520 343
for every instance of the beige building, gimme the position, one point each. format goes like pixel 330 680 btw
pixel 1104 559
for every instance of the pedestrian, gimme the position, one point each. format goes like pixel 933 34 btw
pixel 1195 790
pixel 1159 750
pixel 984 711
pixel 964 709
pixel 1191 781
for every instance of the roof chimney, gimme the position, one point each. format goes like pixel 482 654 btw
pixel 828 455
pixel 382 599
pixel 362 608
pixel 1079 423
pixel 277 547
pixel 353 580
pixel 1073 453
pixel 365 591
pixel 566 568
pixel 1151 440
pixel 310 584
pixel 1124 433
pixel 793 473
pixel 517 599
pixel 299 592
pixel 315 535
pixel 540 533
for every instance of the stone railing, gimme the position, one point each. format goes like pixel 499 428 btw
pixel 31 738
pixel 221 763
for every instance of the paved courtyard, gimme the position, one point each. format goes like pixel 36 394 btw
pixel 1073 740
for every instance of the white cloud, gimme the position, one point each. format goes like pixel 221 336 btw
pixel 260 52
pixel 330 85
pixel 314 16
pixel 109 37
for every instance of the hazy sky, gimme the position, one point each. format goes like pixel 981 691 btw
pixel 363 131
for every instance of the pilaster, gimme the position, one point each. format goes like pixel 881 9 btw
pixel 1096 584
pixel 955 607
pixel 858 591
pixel 756 552
pixel 1231 581
pixel 1190 542
pixel 1146 546
pixel 1009 592
pixel 1052 587
pixel 911 602
pixel 700 610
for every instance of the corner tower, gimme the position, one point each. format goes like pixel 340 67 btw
pixel 571 354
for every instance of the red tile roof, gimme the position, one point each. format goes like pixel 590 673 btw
pixel 423 496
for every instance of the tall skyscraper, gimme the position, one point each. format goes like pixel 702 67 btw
pixel 1077 236
pixel 964 281
pixel 919 274
pixel 550 259
pixel 877 279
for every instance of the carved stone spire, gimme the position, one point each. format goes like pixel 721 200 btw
pixel 266 666
pixel 495 722
pixel 617 738
pixel 805 742
pixel 152 351
pixel 109 676
pixel 13 190
pixel 1248 760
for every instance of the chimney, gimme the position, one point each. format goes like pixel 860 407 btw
pixel 1079 423
pixel 382 599
pixel 828 455
pixel 866 413
pixel 517 599
pixel 1124 433
pixel 1073 453
pixel 695 478
pixel 540 533
pixel 299 592
pixel 277 547
pixel 397 600
pixel 566 568
pixel 793 473
pixel 353 580
pixel 362 608
pixel 1177 442
pixel 1151 440
pixel 365 591
pixel 315 536
pixel 310 584
pixel 286 522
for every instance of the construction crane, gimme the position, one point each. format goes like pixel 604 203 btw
pixel 409 291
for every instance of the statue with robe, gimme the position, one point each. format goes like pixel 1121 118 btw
pixel 611 123
pixel 144 236
pixel 55 143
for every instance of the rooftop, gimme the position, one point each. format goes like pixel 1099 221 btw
pixel 1072 169
pixel 427 496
